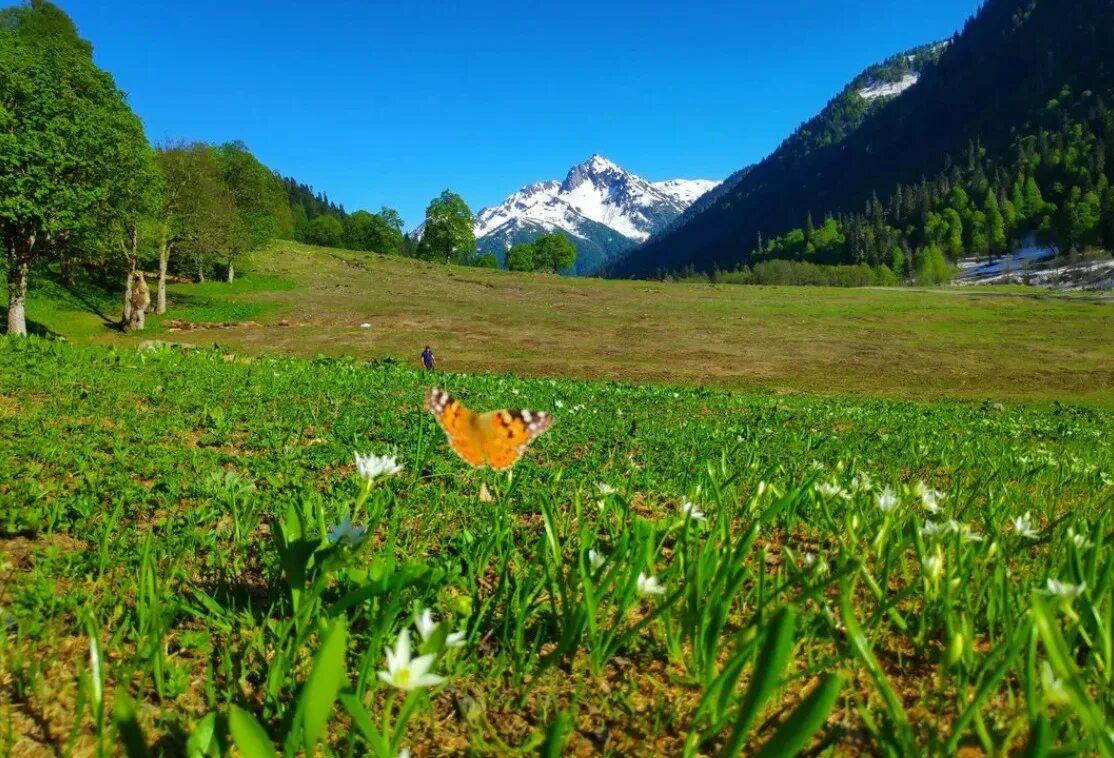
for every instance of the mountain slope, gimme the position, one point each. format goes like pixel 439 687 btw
pixel 1009 62
pixel 602 208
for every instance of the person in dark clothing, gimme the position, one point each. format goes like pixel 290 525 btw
pixel 427 358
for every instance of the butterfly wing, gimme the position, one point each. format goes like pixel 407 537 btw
pixel 507 434
pixel 460 425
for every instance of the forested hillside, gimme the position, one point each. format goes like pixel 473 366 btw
pixel 1011 121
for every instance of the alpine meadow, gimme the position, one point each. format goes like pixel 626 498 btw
pixel 798 451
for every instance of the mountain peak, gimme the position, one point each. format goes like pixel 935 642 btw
pixel 601 206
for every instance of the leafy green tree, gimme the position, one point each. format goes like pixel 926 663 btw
pixel 448 234
pixel 376 232
pixel 521 257
pixel 995 224
pixel 1077 220
pixel 953 240
pixel 554 252
pixel 487 260
pixel 262 210
pixel 327 231
pixel 197 210
pixel 65 132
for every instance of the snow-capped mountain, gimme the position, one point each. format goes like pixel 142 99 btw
pixel 600 206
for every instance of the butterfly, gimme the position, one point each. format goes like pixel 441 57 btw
pixel 496 438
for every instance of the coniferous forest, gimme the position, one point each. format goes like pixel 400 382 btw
pixel 1006 136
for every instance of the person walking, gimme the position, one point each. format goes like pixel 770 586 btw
pixel 427 358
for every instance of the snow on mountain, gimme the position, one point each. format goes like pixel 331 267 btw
pixel 889 89
pixel 602 207
pixel 686 191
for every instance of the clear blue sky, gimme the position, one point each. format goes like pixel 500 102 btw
pixel 388 102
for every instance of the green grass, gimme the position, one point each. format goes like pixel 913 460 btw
pixel 166 576
pixel 1016 346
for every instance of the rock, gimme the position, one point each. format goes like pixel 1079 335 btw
pixel 365 325
pixel 160 344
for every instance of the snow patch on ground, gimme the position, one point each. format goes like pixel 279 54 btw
pixel 1038 266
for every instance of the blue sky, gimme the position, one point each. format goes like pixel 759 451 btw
pixel 391 101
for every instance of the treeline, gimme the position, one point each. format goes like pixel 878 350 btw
pixel 802 273
pixel 1053 188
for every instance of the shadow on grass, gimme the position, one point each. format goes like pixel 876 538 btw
pixel 34 328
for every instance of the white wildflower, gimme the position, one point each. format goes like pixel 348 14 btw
pixel 558 404
pixel 1053 688
pixel 933 566
pixel 1079 540
pixel 345 533
pixel 930 498
pixel 406 673
pixel 831 489
pixel 1024 527
pixel 371 467
pixel 886 500
pixel 690 510
pixel 649 585
pixel 862 483
pixel 932 530
pixel 605 489
pixel 1064 590
pixel 596 559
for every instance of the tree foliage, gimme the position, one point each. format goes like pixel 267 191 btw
pixel 70 145
pixel 448 234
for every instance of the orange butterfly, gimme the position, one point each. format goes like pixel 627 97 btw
pixel 495 438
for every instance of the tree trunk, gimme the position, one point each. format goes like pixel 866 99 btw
pixel 231 272
pixel 67 270
pixel 164 260
pixel 130 255
pixel 140 301
pixel 17 289
pixel 127 317
pixel 200 273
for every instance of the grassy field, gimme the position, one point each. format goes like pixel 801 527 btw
pixel 977 345
pixel 858 575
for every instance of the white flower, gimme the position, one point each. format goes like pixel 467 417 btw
pixel 966 533
pixel 831 489
pixel 861 483
pixel 596 560
pixel 371 467
pixel 1064 590
pixel 931 530
pixel 405 673
pixel 649 585
pixel 1080 540
pixel 817 466
pixel 404 753
pixel 345 533
pixel 558 403
pixel 930 498
pixel 811 562
pixel 425 624
pixel 1053 687
pixel 933 566
pixel 886 500
pixel 1024 527
pixel 605 489
pixel 690 510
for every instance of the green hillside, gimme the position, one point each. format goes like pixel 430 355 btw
pixel 298 300
pixel 1008 130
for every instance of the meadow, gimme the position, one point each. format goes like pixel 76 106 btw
pixel 192 562
pixel 998 344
